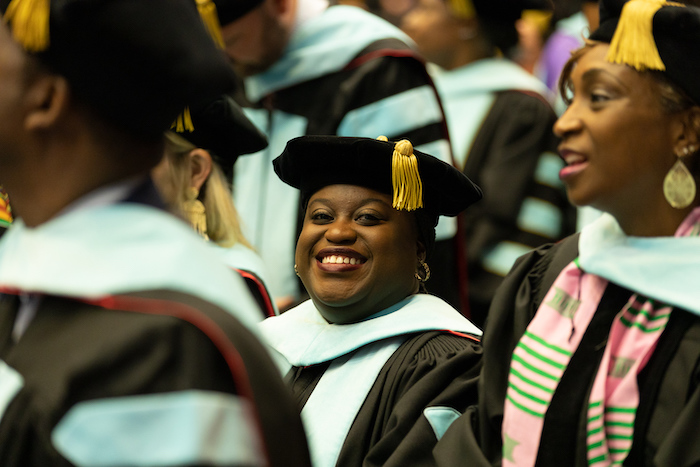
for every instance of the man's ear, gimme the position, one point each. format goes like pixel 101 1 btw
pixel 48 97
pixel 285 11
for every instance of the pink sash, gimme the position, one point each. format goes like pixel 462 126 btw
pixel 544 351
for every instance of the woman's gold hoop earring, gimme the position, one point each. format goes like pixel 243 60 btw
pixel 679 184
pixel 426 272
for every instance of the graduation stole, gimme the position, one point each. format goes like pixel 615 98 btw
pixel 5 212
pixel 544 351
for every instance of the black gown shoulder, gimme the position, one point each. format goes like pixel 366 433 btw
pixel 665 428
pixel 432 369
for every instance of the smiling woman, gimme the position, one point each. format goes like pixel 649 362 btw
pixel 592 354
pixel 379 368
pixel 354 252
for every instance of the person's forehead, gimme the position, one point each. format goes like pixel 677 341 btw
pixel 355 193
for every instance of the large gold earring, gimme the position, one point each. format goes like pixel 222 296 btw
pixel 195 212
pixel 679 184
pixel 426 272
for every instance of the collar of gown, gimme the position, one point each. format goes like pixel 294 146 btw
pixel 108 249
pixel 305 338
pixel 485 76
pixel 662 268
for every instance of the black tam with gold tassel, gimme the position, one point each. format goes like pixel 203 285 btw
pixel 654 35
pixel 417 182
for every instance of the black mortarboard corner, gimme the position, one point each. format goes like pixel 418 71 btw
pixel 654 35
pixel 418 182
pixel 230 10
pixel 502 10
pixel 137 63
pixel 509 10
pixel 222 128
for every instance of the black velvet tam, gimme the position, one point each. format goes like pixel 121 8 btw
pixel 230 10
pixel 676 31
pixel 137 63
pixel 222 128
pixel 313 162
pixel 508 10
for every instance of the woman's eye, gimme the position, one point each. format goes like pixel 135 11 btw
pixel 321 217
pixel 367 218
pixel 598 97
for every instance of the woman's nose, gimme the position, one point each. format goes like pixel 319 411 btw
pixel 341 231
pixel 567 123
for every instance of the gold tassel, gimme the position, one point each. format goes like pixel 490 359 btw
pixel 633 43
pixel 207 10
pixel 183 122
pixel 405 179
pixel 29 20
pixel 195 212
pixel 463 9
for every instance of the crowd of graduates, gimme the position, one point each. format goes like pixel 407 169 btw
pixel 349 233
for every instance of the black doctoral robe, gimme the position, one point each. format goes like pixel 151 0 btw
pixel 665 430
pixel 429 369
pixel 503 160
pixel 147 343
pixel 122 357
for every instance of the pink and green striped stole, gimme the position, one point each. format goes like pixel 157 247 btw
pixel 615 395
pixel 540 358
pixel 544 351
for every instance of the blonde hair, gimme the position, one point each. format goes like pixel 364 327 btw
pixel 223 224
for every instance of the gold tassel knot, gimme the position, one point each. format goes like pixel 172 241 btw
pixel 29 20
pixel 405 178
pixel 210 17
pixel 633 42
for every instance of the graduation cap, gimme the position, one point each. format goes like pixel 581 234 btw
pixel 654 35
pixel 229 11
pixel 222 128
pixel 137 63
pixel 417 181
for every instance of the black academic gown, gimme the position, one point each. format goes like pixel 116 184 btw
pixel 98 354
pixel 143 344
pixel 429 369
pixel 503 160
pixel 665 431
